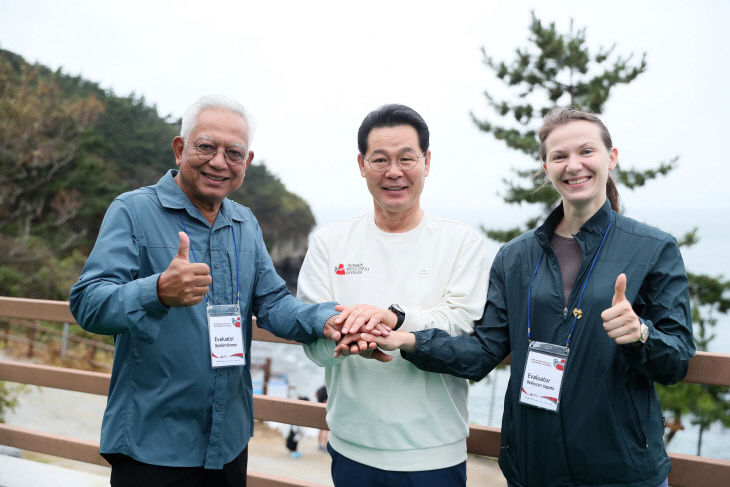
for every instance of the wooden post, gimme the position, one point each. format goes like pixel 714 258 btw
pixel 7 333
pixel 31 339
pixel 267 374
pixel 64 339
pixel 91 355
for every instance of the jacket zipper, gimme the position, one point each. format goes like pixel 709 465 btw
pixel 637 419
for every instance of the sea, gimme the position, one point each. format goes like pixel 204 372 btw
pixel 296 375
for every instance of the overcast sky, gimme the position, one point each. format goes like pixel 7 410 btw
pixel 310 71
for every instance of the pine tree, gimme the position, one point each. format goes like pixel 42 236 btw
pixel 558 69
pixel 555 69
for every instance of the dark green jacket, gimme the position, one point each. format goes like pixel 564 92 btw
pixel 608 431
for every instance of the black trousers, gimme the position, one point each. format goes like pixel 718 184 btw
pixel 349 473
pixel 128 472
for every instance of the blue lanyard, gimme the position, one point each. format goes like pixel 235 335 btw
pixel 238 286
pixel 577 312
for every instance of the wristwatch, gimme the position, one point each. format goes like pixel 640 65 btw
pixel 399 313
pixel 643 334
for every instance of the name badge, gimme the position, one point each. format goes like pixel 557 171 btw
pixel 543 375
pixel 226 336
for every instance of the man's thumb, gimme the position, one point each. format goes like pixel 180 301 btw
pixel 184 248
pixel 620 289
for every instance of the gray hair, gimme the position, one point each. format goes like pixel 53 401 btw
pixel 190 118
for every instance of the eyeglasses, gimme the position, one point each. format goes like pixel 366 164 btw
pixel 405 160
pixel 207 151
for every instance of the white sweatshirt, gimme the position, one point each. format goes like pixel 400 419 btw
pixel 392 415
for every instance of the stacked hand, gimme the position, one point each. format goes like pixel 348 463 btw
pixel 366 330
pixel 355 324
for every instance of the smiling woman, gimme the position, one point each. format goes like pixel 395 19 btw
pixel 577 155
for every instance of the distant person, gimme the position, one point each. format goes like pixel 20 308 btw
pixel 292 441
pixel 295 436
pixel 593 308
pixel 323 436
pixel 418 271
pixel 177 271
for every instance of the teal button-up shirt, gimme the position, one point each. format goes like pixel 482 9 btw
pixel 167 405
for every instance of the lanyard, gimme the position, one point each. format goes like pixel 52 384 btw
pixel 577 312
pixel 195 257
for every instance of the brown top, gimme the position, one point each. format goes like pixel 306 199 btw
pixel 569 257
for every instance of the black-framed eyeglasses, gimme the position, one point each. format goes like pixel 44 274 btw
pixel 206 151
pixel 405 160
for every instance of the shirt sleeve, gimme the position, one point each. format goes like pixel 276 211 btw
pixel 111 296
pixel 313 285
pixel 663 304
pixel 277 310
pixel 469 356
pixel 464 295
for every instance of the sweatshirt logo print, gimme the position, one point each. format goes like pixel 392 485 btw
pixel 349 269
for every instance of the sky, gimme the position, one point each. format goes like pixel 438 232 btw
pixel 310 71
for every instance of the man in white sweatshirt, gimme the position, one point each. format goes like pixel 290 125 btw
pixel 392 424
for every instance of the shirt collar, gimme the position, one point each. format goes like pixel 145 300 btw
pixel 172 196
pixel 590 234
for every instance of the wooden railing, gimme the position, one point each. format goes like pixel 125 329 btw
pixel 687 470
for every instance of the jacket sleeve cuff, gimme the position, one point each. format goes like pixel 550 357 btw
pixel 324 313
pixel 145 309
pixel 148 299
pixel 636 352
pixel 421 349
pixel 313 320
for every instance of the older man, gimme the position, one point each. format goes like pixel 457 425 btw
pixel 392 424
pixel 175 275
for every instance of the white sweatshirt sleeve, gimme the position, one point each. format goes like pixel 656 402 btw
pixel 314 286
pixel 464 295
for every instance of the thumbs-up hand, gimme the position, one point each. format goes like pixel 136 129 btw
pixel 183 283
pixel 183 248
pixel 620 321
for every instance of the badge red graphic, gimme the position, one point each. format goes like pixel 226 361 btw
pixel 559 363
pixel 340 269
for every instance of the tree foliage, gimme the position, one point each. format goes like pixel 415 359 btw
pixel 9 395
pixel 559 69
pixel 40 132
pixel 283 215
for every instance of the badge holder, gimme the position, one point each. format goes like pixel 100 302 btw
pixel 226 336
pixel 543 377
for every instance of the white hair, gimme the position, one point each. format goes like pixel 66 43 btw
pixel 190 118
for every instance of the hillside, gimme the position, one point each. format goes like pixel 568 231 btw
pixel 67 148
